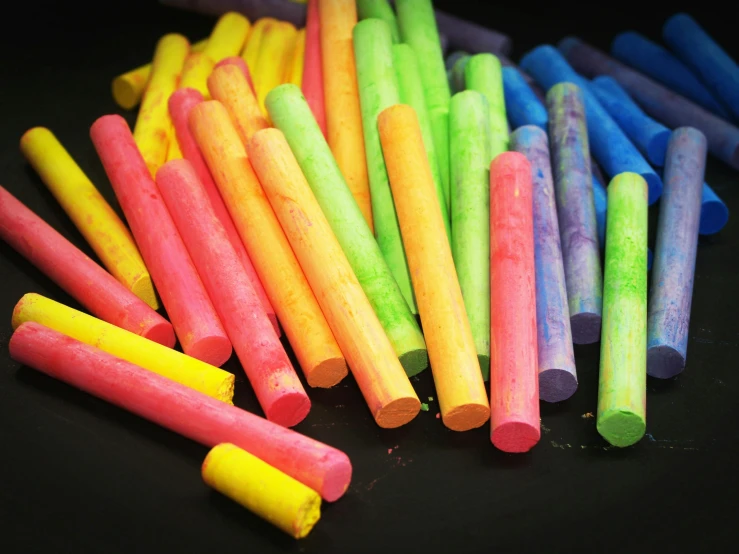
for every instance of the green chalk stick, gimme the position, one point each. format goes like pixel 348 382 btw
pixel 411 93
pixel 469 140
pixel 378 89
pixel 622 386
pixel 291 114
pixel 380 9
pixel 483 73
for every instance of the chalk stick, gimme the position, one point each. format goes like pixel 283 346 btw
pixel 312 85
pixel 370 355
pixel 253 45
pixel 660 64
pixel 514 383
pixel 228 36
pixel 378 89
pixel 457 74
pixel 410 87
pixel 92 215
pixel 287 10
pixel 714 213
pixel 506 62
pixel 622 382
pixel 79 276
pixel 274 56
pixel 418 28
pixel 456 370
pixel 578 227
pixel 600 201
pixel 470 146
pixel 269 250
pixel 173 150
pixel 705 57
pixel 452 59
pixel 522 106
pixel 294 68
pixel 661 103
pixel 196 324
pixel 610 146
pixel 241 64
pixel 291 115
pixel 677 246
pixel 270 373
pixel 556 358
pixel 269 493
pixel 472 37
pixel 190 413
pixel 483 74
pixel 341 98
pixel 380 9
pixel 195 73
pixel 152 356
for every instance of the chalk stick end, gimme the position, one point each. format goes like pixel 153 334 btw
pixel 414 361
pixel 289 409
pixel 213 350
pixel 125 94
pixel 664 362
pixel 657 148
pixel 337 478
pixel 714 216
pixel 515 437
pixel 621 427
pixel 556 385
pixel 398 412
pixel 585 328
pixel 328 373
pixel 143 287
pixel 466 417
pixel 654 184
pixel 162 332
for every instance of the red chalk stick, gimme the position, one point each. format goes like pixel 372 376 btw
pixel 239 62
pixel 181 409
pixel 514 384
pixel 83 279
pixel 183 294
pixel 312 69
pixel 265 362
pixel 181 104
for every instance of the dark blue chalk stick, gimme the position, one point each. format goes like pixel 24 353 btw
pixel 456 74
pixel 714 213
pixel 523 107
pixel 452 58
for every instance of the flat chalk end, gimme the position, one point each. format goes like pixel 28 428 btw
pixel 621 427
pixel 585 328
pixel 214 350
pixel 556 385
pixel 714 216
pixel 125 94
pixel 657 148
pixel 398 412
pixel 336 477
pixel 466 417
pixel 414 361
pixel 328 373
pixel 143 287
pixel 225 392
pixel 515 437
pixel 484 360
pixel 289 409
pixel 664 362
pixel 161 332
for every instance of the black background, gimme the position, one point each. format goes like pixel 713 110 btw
pixel 79 475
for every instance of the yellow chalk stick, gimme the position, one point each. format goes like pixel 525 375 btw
pixel 123 344
pixel 198 67
pixel 267 492
pixel 253 45
pixel 275 50
pixel 173 151
pixel 294 69
pixel 92 215
pixel 227 37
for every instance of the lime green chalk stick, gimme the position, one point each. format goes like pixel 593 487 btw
pixel 622 386
pixel 483 73
pixel 380 9
pixel 291 114
pixel 469 139
pixel 411 93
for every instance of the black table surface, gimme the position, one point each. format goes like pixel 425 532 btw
pixel 79 475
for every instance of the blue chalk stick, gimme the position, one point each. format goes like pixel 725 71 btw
pixel 523 107
pixel 654 60
pixel 714 213
pixel 610 146
pixel 456 74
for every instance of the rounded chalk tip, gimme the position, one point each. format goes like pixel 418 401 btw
pixel 515 437
pixel 556 385
pixel 337 476
pixel 161 332
pixel 397 412
pixel 622 41
pixel 414 361
pixel 541 53
pixel 657 148
pixel 621 427
pixel 654 186
pixel 664 362
pixel 466 417
pixel 143 287
pixel 452 58
pixel 327 373
pixel 125 93
pixel 289 409
pixel 567 44
pixel 214 350
pixel 585 328
pixel 33 134
pixel 714 216
pixel 676 20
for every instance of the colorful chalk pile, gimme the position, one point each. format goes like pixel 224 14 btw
pixel 307 170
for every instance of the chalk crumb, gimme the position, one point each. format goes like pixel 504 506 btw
pixel 587 415
pixel 431 398
pixel 438 415
pixel 389 450
pixel 545 428
pixel 424 407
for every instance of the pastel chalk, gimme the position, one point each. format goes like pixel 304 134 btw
pixel 239 62
pixel 483 74
pixel 380 9
pixel 470 36
pixel 457 80
pixel 312 85
pixel 522 105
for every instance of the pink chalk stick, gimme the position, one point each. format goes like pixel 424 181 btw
pixel 183 294
pixel 514 383
pixel 181 409
pixel 312 69
pixel 181 104
pixel 277 386
pixel 239 62
pixel 88 283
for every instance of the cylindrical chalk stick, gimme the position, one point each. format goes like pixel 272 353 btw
pixel 522 106
pixel 556 361
pixel 622 384
pixel 470 144
pixel 152 356
pixel 661 103
pixel 269 493
pixel 370 355
pixel 600 201
pixel 195 321
pixel 410 87
pixel 275 383
pixel 253 44
pixel 294 68
pixel 181 104
pixel 380 9
pixel 677 245
pixel 227 37
pixel 274 55
pixel 286 10
pixel 657 62
pixel 84 280
pixel 714 213
pixel 705 57
pixel 576 210
pixel 181 409
pixel 195 73
pixel 535 88
pixel 456 73
pixel 472 37
pixel 269 250
pixel 92 215
pixel 312 85
pixel 453 58
pixel 241 64
pixel 291 114
pixel 514 384
pixel 456 370
pixel 173 151
pixel 378 89
pixel 611 148
pixel 341 100
pixel 483 74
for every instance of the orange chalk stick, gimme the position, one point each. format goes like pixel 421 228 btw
pixel 312 70
pixel 275 50
pixel 241 64
pixel 294 69
pixel 195 72
pixel 250 53
pixel 343 113
pixel 292 298
pixel 371 357
pixel 227 37
pixel 454 364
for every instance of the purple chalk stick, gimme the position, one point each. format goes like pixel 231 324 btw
pixel 557 375
pixel 472 37
pixel 285 10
